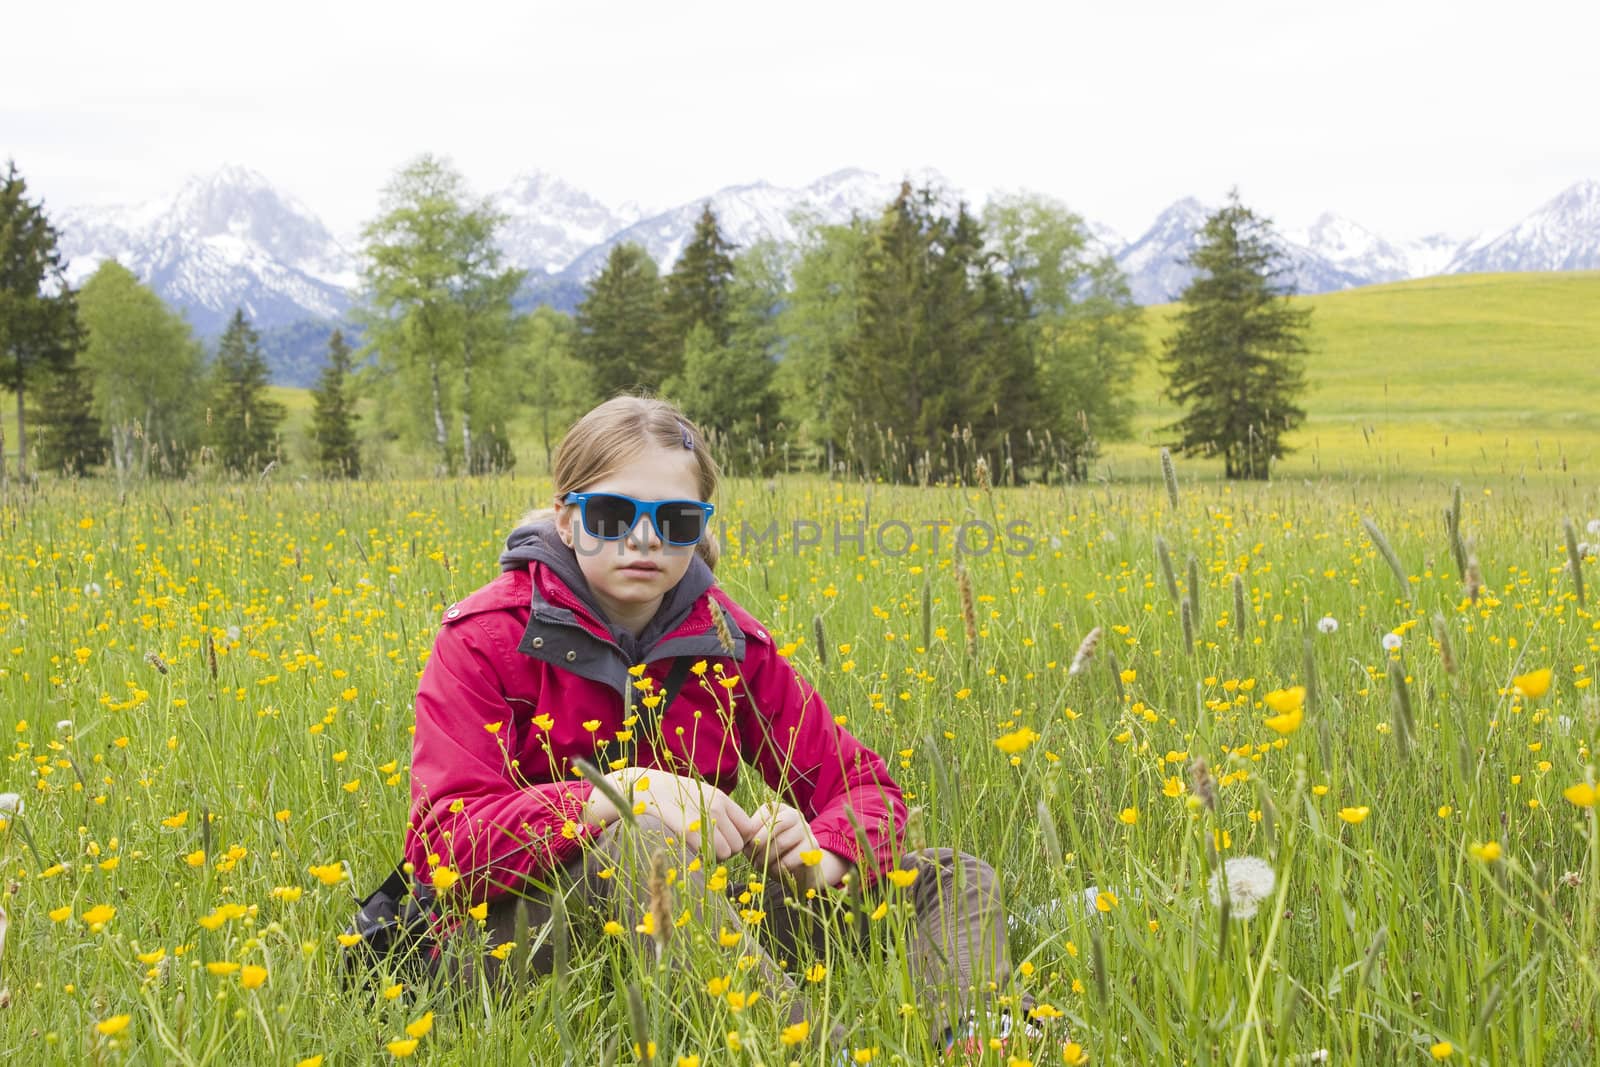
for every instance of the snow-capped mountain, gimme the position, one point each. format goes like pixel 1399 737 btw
pixel 1564 234
pixel 1153 262
pixel 1332 253
pixel 226 240
pixel 549 223
pixel 749 213
pixel 1351 249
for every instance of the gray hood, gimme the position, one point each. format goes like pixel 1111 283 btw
pixel 540 541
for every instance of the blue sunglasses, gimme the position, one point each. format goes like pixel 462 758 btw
pixel 609 516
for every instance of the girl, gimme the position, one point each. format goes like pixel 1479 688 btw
pixel 606 639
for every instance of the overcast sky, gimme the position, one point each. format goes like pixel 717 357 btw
pixel 1409 117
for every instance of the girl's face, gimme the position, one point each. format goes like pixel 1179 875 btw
pixel 629 577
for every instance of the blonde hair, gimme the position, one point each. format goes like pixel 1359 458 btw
pixel 612 435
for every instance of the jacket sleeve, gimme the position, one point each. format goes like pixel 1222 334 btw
pixel 840 784
pixel 469 811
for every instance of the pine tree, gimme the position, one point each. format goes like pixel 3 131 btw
pixel 698 291
pixel 244 421
pixel 333 415
pixel 1234 359
pixel 39 331
pixel 70 438
pixel 938 373
pixel 618 340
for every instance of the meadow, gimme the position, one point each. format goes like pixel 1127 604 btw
pixel 206 691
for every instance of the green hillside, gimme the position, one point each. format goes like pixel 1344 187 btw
pixel 1485 373
pixel 1462 373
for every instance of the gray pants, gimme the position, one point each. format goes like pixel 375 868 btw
pixel 956 949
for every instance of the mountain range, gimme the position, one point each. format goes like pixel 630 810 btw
pixel 231 239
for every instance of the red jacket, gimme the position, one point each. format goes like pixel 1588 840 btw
pixel 524 678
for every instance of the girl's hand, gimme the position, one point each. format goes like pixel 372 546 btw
pixel 781 842
pixel 688 808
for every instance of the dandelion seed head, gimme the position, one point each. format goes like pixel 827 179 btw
pixel 1250 882
pixel 1392 642
pixel 1328 624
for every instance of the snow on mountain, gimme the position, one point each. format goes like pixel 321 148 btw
pixel 1351 249
pixel 1563 234
pixel 549 223
pixel 226 240
pixel 1332 253
pixel 1154 263
pixel 749 213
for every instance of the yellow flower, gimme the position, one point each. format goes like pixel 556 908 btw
pixel 61 914
pixel 1285 723
pixel 544 722
pixel 99 915
pixel 1104 900
pixel 311 1061
pixel 347 940
pixel 328 873
pixel 738 1001
pixel 1128 816
pixel 502 950
pixel 174 822
pixel 493 727
pixel 793 1035
pixel 151 958
pixel 880 911
pixel 401 1049
pixel 1354 815
pixel 1442 1051
pixel 221 968
pixel 479 911
pixel 901 878
pixel 612 928
pixel 816 973
pixel 197 858
pixel 1073 1055
pixel 420 1027
pixel 114 1025
pixel 1128 676
pixel 1285 701
pixel 253 977
pixel 394 991
pixel 1534 684
pixel 1016 742
pixel 1582 794
pixel 287 893
pixel 443 878
pixel 727 938
pixel 1173 787
pixel 1488 851
pixel 811 857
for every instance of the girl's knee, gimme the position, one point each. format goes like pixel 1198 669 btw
pixel 947 866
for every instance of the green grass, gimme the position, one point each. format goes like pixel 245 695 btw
pixel 1483 373
pixel 320 602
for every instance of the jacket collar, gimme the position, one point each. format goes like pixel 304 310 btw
pixel 565 631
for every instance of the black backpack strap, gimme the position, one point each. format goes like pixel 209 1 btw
pixel 648 717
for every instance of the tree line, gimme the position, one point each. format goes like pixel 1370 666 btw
pixel 923 343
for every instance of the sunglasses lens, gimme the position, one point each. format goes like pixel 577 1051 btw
pixel 608 517
pixel 681 522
